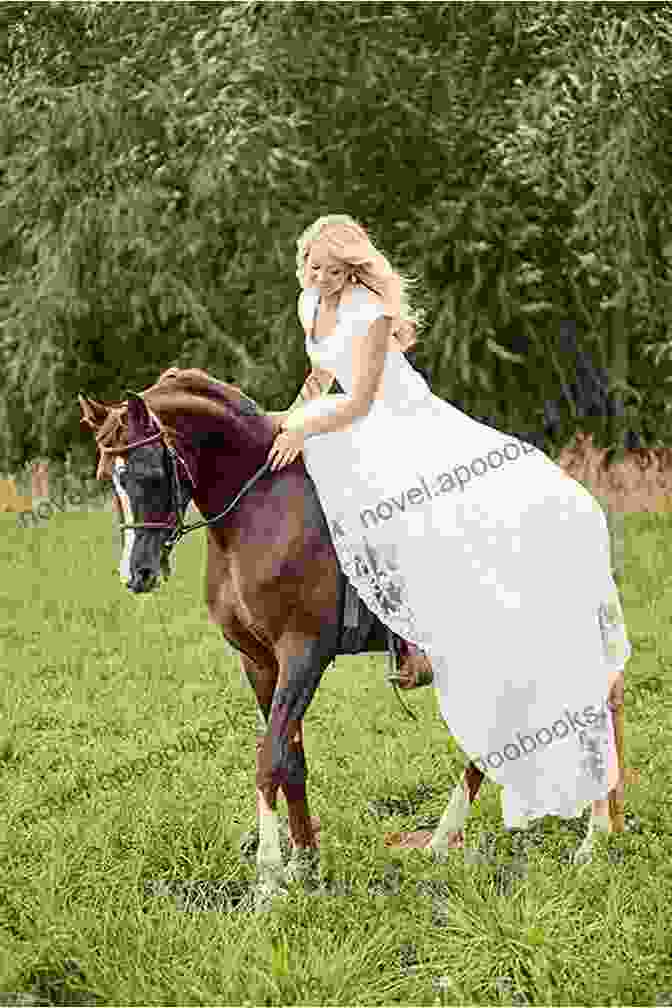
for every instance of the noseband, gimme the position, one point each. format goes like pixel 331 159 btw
pixel 179 528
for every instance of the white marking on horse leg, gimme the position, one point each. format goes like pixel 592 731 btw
pixel 269 854
pixel 599 822
pixel 452 820
pixel 270 873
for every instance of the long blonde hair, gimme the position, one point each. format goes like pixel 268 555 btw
pixel 348 242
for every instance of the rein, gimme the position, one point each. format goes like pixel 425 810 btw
pixel 181 528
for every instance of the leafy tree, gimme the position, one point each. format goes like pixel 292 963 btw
pixel 158 162
pixel 588 134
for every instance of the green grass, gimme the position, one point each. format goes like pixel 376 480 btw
pixel 94 679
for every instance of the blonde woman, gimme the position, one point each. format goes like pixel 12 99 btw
pixel 471 545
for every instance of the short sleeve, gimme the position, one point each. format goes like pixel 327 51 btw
pixel 301 308
pixel 306 308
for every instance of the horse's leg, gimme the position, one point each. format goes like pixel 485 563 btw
pixel 599 822
pixel 607 813
pixel 616 703
pixel 282 760
pixel 305 859
pixel 301 823
pixel 302 826
pixel 449 833
pixel 263 679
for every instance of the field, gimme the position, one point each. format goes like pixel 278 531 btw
pixel 95 680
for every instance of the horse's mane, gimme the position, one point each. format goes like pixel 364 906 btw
pixel 200 383
pixel 189 388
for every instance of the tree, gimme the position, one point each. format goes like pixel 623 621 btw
pixel 592 125
pixel 158 163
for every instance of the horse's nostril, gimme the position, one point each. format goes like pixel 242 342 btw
pixel 143 580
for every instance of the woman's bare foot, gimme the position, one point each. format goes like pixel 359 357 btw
pixel 414 668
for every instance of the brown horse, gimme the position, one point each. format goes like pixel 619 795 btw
pixel 274 584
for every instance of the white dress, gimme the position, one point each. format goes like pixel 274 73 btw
pixel 478 548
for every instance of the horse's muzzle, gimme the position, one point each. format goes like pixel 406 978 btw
pixel 144 580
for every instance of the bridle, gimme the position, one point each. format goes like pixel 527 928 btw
pixel 180 528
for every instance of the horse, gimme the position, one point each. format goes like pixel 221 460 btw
pixel 273 584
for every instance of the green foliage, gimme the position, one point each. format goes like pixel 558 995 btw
pixel 587 135
pixel 158 162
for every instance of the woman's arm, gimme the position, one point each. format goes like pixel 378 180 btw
pixel 369 353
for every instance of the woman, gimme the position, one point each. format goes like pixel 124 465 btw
pixel 464 541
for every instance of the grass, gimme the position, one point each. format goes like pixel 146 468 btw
pixel 94 680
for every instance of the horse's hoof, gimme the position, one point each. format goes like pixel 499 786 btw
pixel 266 893
pixel 583 855
pixel 304 867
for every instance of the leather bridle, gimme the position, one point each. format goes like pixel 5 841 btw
pixel 180 528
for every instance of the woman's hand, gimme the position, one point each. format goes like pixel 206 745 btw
pixel 287 446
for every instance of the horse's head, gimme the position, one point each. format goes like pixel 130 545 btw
pixel 153 465
pixel 151 483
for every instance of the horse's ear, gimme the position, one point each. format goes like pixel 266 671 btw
pixel 94 413
pixel 139 420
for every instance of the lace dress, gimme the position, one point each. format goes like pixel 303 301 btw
pixel 479 549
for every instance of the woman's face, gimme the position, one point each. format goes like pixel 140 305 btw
pixel 325 272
